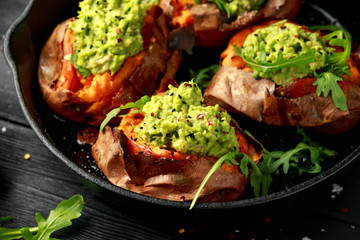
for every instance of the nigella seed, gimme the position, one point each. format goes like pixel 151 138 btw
pixel 234 148
pixel 173 110
pixel 171 94
pixel 135 139
pixel 154 127
pixel 180 96
pixel 190 124
pixel 141 127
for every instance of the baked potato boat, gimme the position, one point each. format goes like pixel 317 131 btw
pixel 211 24
pixel 166 149
pixel 104 58
pixel 293 76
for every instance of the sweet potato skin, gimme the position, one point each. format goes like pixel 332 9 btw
pixel 88 100
pixel 166 174
pixel 203 25
pixel 294 105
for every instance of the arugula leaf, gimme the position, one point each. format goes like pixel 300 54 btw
pixel 139 104
pixel 59 218
pixel 337 37
pixel 300 62
pixel 229 158
pixel 326 82
pixel 261 176
pixel 203 77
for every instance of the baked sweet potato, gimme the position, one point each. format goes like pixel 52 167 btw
pixel 297 104
pixel 128 162
pixel 89 99
pixel 205 25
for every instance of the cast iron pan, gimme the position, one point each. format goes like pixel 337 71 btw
pixel 28 34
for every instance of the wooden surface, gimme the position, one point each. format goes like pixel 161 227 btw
pixel 38 184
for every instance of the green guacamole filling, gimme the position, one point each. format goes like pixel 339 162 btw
pixel 107 32
pixel 237 7
pixel 264 45
pixel 180 120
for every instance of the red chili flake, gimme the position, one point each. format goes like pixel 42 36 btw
pixel 267 219
pixel 226 133
pixel 152 114
pixel 218 115
pixel 277 39
pixel 344 210
pixel 296 36
pixel 200 116
pixel 210 123
pixel 119 40
pixel 118 30
pixel 179 119
pixel 158 117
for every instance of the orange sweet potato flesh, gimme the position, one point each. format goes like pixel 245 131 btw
pixel 297 104
pixel 204 25
pixel 88 100
pixel 128 163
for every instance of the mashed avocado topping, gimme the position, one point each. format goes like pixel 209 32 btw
pixel 264 45
pixel 237 7
pixel 180 120
pixel 107 32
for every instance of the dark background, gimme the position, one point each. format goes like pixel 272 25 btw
pixel 41 182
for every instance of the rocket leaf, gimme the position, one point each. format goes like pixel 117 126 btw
pixel 58 218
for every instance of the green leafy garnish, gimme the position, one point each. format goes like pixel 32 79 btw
pixel 305 157
pixel 235 158
pixel 267 68
pixel 139 104
pixel 338 37
pixel 203 76
pixel 59 218
pixel 327 82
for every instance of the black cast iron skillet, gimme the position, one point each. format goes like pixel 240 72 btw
pixel 28 34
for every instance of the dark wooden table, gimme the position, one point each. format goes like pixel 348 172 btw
pixel 38 184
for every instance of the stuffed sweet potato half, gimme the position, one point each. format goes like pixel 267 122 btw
pixel 166 149
pixel 212 23
pixel 282 73
pixel 104 58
